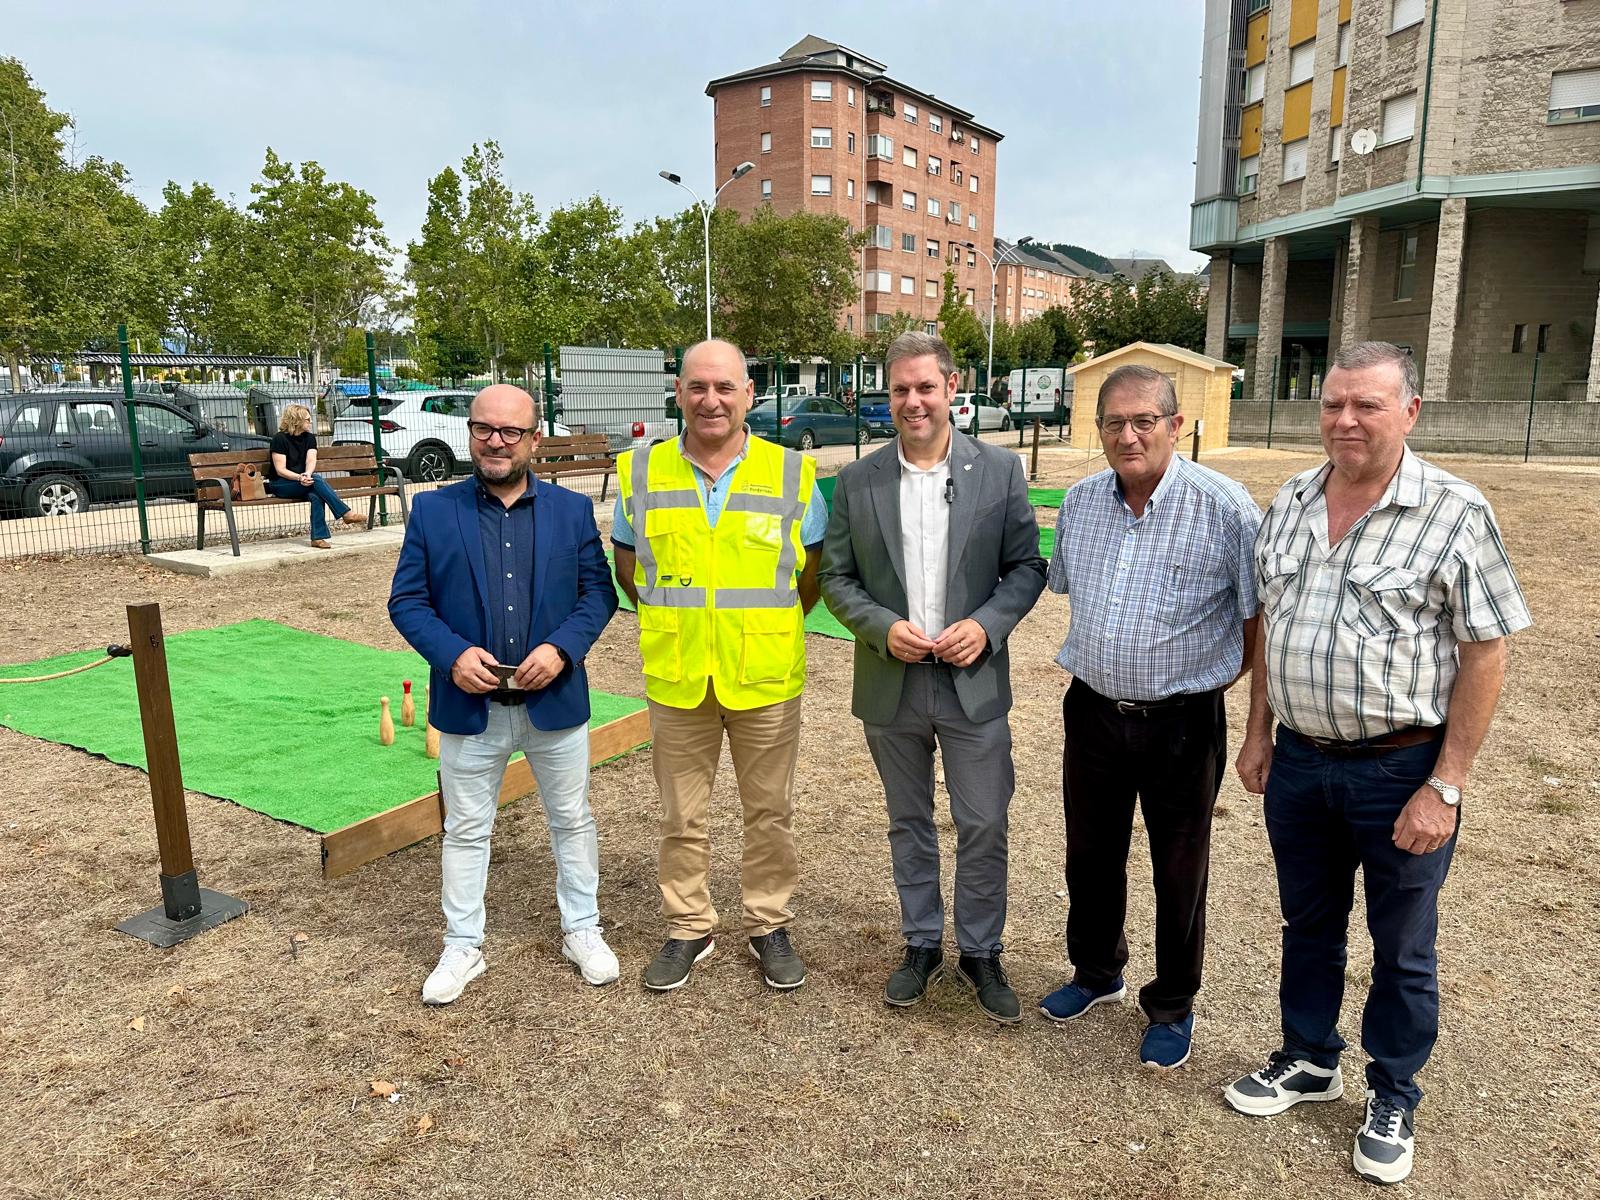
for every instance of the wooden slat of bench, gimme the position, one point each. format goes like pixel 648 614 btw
pixel 583 443
pixel 591 467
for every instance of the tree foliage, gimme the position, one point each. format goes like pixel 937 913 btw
pixel 1159 308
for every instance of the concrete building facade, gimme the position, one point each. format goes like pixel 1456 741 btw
pixel 830 131
pixel 1422 171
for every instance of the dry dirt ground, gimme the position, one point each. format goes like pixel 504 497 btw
pixel 240 1064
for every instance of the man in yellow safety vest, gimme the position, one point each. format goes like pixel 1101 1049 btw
pixel 717 537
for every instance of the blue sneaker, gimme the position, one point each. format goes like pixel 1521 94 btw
pixel 1072 1000
pixel 1166 1043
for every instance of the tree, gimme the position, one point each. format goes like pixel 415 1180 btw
pixel 781 281
pixel 351 356
pixel 320 252
pixel 203 283
pixel 448 345
pixel 1064 330
pixel 1159 308
pixel 875 344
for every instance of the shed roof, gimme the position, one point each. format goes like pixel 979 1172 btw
pixel 1167 349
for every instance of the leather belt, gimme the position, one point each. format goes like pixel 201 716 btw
pixel 1399 739
pixel 1142 708
pixel 508 696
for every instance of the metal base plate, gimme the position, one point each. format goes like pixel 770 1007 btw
pixel 154 927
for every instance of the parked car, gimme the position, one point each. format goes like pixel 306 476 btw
pixel 975 413
pixel 426 429
pixel 789 390
pixel 875 413
pixel 807 421
pixel 62 451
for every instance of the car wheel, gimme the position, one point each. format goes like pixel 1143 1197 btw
pixel 807 439
pixel 430 463
pixel 974 429
pixel 863 435
pixel 1005 422
pixel 55 495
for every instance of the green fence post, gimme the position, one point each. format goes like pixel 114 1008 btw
pixel 1022 390
pixel 777 397
pixel 377 424
pixel 549 393
pixel 133 440
pixel 677 370
pixel 1533 390
pixel 855 386
pixel 1272 407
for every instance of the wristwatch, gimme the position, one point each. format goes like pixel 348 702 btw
pixel 1448 792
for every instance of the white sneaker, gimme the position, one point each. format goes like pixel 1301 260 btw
pixel 458 966
pixel 1281 1084
pixel 1384 1142
pixel 588 949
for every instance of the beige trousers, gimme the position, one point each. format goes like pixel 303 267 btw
pixel 765 744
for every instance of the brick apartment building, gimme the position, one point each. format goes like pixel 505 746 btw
pixel 830 131
pixel 1422 171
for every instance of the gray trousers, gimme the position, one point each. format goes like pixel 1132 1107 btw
pixel 980 778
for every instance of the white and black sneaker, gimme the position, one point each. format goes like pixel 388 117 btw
pixel 1383 1143
pixel 1281 1084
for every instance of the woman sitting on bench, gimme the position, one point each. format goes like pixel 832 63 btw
pixel 291 474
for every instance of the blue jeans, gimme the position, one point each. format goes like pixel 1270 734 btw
pixel 470 770
pixel 321 494
pixel 1325 817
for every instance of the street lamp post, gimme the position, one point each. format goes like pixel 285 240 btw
pixel 739 172
pixel 994 268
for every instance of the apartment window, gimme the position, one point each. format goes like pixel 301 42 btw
pixel 955 172
pixel 933 206
pixel 1519 338
pixel 908 286
pixel 1249 172
pixel 766 97
pixel 850 189
pixel 908 241
pixel 975 145
pixel 908 156
pixel 1574 96
pixel 1405 272
pixel 1254 85
pixel 822 89
pixel 935 123
pixel 935 167
pixel 766 189
pixel 933 248
pixel 1335 146
pixel 1294 160
pixel 967 300
pixel 822 185
pixel 972 220
pixel 878 281
pixel 1399 118
pixel 821 137
pixel 850 143
pixel 849 321
pixel 877 193
pixel 972 259
pixel 766 143
pixel 1344 45
pixel 879 146
pixel 850 96
pixel 908 200
pixel 972 183
pixel 911 114
pixel 1543 344
pixel 1301 59
pixel 930 288
pixel 1254 6
pixel 1405 14
pixel 882 238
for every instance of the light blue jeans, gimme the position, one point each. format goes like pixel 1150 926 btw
pixel 470 769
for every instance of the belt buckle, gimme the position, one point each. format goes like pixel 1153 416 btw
pixel 1129 706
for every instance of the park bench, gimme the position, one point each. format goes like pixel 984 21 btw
pixel 580 454
pixel 351 470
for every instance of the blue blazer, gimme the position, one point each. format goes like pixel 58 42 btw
pixel 439 599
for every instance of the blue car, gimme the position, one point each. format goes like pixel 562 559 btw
pixel 807 421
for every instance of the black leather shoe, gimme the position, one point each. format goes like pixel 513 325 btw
pixel 922 965
pixel 987 979
pixel 781 964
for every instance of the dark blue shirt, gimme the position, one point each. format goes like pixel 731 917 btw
pixel 507 535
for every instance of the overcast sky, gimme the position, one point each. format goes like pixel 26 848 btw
pixel 1097 101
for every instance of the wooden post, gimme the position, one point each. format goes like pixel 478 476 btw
pixel 1033 471
pixel 186 908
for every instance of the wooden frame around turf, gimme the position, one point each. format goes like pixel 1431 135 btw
pixel 343 850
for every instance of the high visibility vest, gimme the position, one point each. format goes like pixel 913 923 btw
pixel 721 603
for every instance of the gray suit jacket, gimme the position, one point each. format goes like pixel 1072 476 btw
pixel 995 573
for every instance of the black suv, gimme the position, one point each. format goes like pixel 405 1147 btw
pixel 62 451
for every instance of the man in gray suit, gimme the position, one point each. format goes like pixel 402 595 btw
pixel 931 558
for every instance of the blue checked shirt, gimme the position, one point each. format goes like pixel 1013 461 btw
pixel 1158 601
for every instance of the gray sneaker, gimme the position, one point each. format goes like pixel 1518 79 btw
pixel 670 968
pixel 780 962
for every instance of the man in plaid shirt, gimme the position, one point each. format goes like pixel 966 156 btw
pixel 1386 597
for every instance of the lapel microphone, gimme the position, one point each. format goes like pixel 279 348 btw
pixel 949 489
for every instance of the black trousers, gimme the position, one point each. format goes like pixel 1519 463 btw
pixel 1172 759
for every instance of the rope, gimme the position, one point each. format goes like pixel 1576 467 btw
pixel 111 653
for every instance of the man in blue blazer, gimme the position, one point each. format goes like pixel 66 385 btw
pixel 504 571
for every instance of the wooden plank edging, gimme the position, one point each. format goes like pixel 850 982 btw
pixel 343 850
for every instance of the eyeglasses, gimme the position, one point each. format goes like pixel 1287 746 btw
pixel 1142 423
pixel 510 435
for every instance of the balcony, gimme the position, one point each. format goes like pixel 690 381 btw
pixel 880 104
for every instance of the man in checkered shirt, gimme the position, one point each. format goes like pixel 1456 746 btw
pixel 1157 555
pixel 1386 597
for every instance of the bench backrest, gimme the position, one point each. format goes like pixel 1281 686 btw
pixel 580 454
pixel 352 466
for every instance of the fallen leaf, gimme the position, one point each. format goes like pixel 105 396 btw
pixel 381 1087
pixel 389 991
pixel 137 1024
pixel 454 1063
pixel 175 990
pixel 424 1123
pixel 300 937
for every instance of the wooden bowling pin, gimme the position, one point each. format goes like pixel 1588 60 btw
pixel 430 743
pixel 385 722
pixel 408 707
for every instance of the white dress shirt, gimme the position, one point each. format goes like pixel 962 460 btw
pixel 925 539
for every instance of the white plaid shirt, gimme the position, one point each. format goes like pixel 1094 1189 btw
pixel 1361 637
pixel 1158 601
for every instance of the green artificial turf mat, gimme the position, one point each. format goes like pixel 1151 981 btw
pixel 1046 497
pixel 276 719
pixel 1047 542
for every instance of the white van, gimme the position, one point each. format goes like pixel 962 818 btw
pixel 1043 396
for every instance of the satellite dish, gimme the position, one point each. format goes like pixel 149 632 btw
pixel 1363 141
